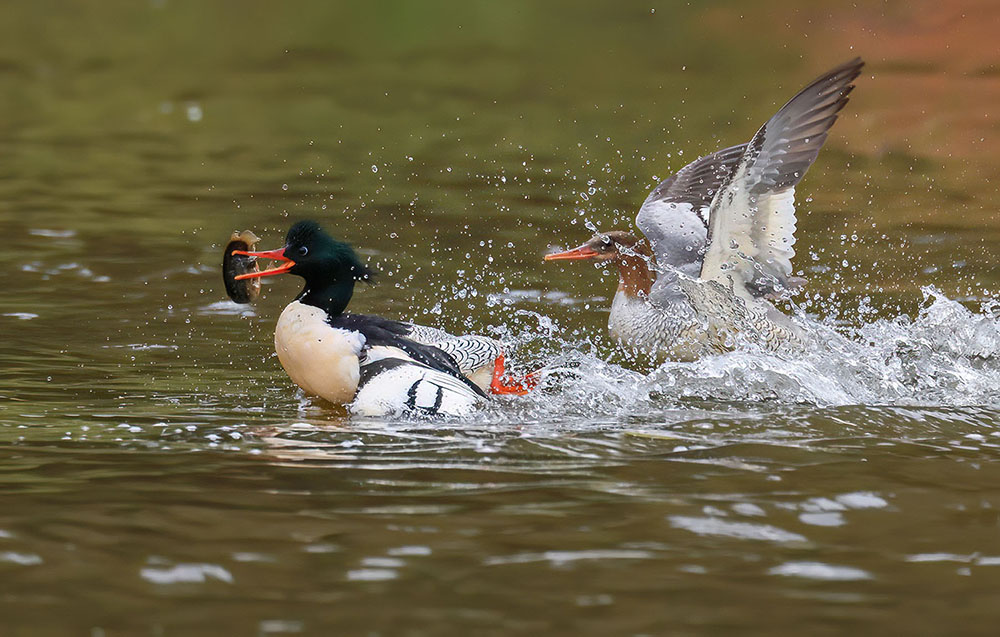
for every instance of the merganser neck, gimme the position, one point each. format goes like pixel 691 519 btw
pixel 333 297
pixel 633 270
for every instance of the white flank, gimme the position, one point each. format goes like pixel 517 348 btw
pixel 414 388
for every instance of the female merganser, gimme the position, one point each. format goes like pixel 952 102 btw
pixel 718 237
pixel 374 365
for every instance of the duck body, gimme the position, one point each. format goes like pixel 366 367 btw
pixel 718 238
pixel 693 319
pixel 373 365
pixel 638 323
pixel 367 363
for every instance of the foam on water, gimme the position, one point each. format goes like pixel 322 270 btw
pixel 947 355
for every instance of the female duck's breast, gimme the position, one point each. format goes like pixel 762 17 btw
pixel 635 322
pixel 666 333
pixel 320 359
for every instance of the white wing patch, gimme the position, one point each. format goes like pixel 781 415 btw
pixel 752 218
pixel 674 216
pixel 660 220
pixel 380 352
pixel 752 240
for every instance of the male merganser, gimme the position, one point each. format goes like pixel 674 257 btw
pixel 718 237
pixel 374 365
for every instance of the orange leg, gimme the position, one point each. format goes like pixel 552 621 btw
pixel 502 384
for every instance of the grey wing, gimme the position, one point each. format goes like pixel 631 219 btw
pixel 752 219
pixel 674 217
pixel 696 183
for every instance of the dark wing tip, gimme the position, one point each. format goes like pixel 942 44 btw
pixel 697 183
pixel 839 75
pixel 838 80
pixel 789 142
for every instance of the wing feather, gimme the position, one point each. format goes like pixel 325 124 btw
pixel 471 352
pixel 697 183
pixel 751 230
pixel 674 217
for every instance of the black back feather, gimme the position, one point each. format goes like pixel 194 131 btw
pixel 389 333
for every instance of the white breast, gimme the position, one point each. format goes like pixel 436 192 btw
pixel 320 359
pixel 663 331
pixel 636 323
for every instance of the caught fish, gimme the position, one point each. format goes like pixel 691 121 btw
pixel 233 265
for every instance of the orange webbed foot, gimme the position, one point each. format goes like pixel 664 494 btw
pixel 503 384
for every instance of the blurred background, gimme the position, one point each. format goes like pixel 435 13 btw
pixel 454 144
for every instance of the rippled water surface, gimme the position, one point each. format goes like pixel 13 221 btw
pixel 160 475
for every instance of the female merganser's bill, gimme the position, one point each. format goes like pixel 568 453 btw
pixel 374 365
pixel 719 236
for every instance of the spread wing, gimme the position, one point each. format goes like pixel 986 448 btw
pixel 752 218
pixel 695 184
pixel 674 216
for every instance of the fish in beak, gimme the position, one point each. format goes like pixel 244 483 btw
pixel 276 255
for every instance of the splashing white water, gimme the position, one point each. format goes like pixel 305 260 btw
pixel 947 356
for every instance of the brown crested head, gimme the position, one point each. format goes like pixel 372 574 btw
pixel 604 246
pixel 630 254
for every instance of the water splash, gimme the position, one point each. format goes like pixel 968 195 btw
pixel 947 355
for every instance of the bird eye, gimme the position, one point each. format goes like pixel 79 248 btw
pixel 303 251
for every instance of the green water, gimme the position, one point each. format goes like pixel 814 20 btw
pixel 159 474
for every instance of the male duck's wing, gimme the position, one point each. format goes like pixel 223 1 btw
pixel 393 335
pixel 426 334
pixel 752 218
pixel 393 385
pixel 471 352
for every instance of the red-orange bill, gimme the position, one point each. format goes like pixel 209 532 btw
pixel 583 252
pixel 277 255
